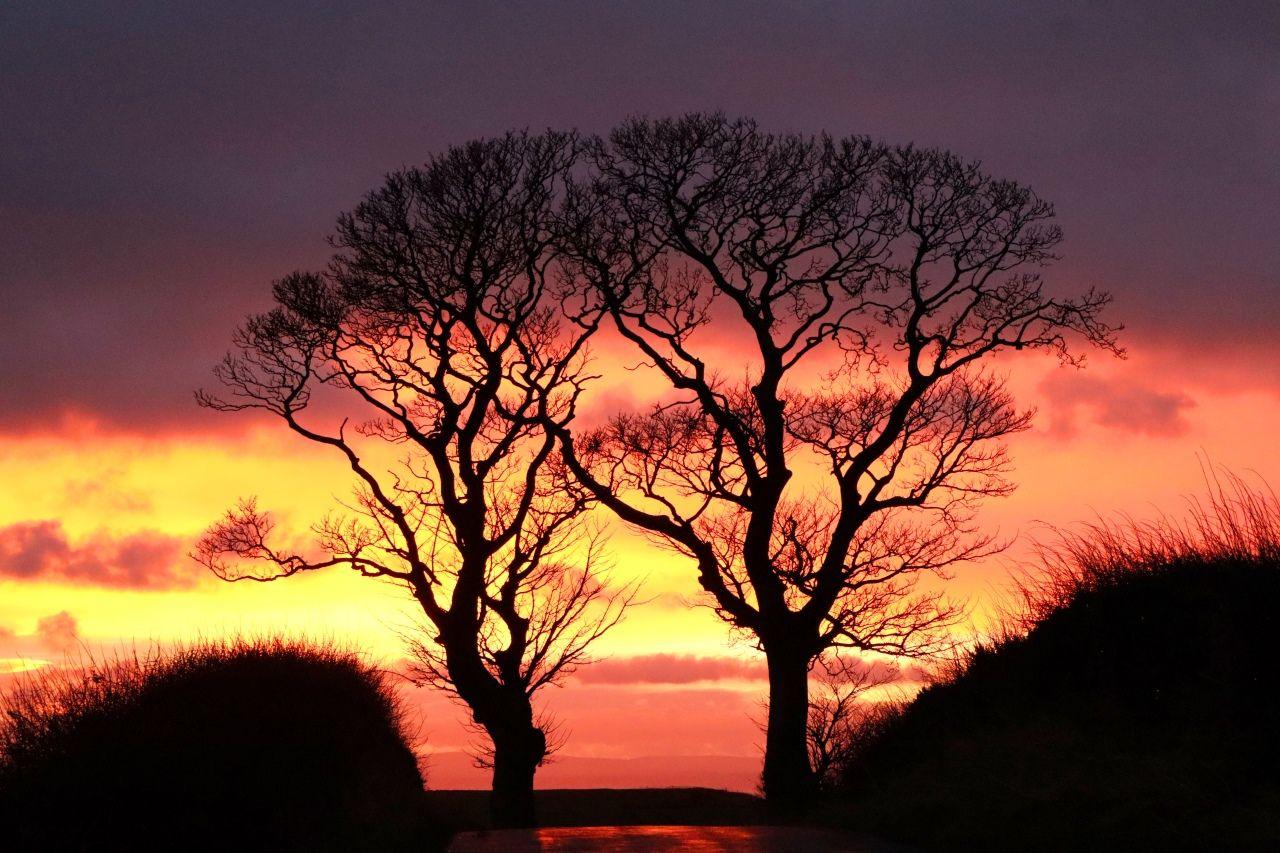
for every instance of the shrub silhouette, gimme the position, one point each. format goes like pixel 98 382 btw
pixel 242 745
pixel 1132 708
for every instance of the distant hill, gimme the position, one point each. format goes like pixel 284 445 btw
pixel 1138 712
pixel 612 807
pixel 453 770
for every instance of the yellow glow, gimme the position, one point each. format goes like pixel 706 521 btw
pixel 94 481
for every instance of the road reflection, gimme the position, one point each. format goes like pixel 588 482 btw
pixel 646 839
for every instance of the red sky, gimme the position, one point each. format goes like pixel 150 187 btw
pixel 161 164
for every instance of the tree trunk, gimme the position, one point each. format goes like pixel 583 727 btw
pixel 788 780
pixel 506 714
pixel 516 756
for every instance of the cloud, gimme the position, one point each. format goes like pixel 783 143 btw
pixel 40 550
pixel 53 635
pixel 106 490
pixel 607 402
pixel 112 263
pixel 57 632
pixel 671 669
pixel 882 671
pixel 691 669
pixel 1122 405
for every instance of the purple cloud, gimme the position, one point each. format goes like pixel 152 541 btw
pixel 671 669
pixel 40 550
pixel 1116 404
pixel 690 669
pixel 157 170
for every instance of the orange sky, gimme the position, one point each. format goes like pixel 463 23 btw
pixel 1120 436
pixel 159 170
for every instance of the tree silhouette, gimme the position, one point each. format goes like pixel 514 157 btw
pixel 840 719
pixel 431 349
pixel 820 309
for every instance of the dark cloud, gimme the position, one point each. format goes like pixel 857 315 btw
pixel 161 162
pixel 40 550
pixel 1123 405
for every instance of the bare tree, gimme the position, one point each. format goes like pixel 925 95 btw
pixel 820 308
pixel 429 357
pixel 840 718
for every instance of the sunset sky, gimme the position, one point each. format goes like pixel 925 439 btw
pixel 160 164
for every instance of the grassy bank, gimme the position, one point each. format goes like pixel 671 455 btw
pixel 1129 705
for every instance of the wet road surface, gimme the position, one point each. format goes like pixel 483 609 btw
pixel 645 839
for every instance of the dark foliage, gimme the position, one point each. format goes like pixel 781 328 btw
pixel 1137 711
pixel 266 745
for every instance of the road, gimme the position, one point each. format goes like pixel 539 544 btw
pixel 649 839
